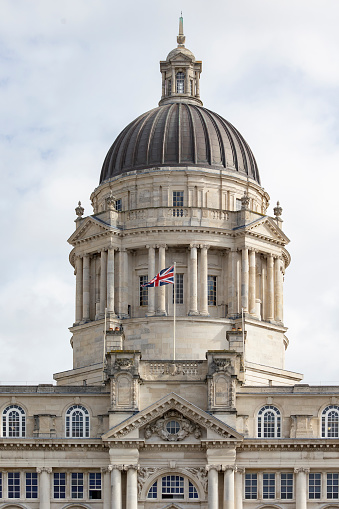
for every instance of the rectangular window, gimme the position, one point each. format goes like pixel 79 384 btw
pixel 212 290
pixel 286 486
pixel 172 486
pixel 169 87
pixel 13 484
pixel 94 486
pixel 268 486
pixel 314 486
pixel 251 486
pixel 332 485
pixel 77 485
pixel 31 485
pixel 0 485
pixel 60 485
pixel 178 198
pixel 118 205
pixel 143 292
pixel 179 289
pixel 237 204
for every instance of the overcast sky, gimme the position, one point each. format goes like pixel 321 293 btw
pixel 74 73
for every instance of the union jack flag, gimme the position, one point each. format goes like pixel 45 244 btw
pixel 165 277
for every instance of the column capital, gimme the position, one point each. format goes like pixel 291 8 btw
pixel 131 467
pixel 240 470
pixel 39 470
pixel 194 246
pixel 104 470
pixel 204 246
pixel 115 467
pixel 213 467
pixel 299 470
pixel 162 246
pixel 224 468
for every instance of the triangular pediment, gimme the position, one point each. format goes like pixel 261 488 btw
pixel 195 418
pixel 266 229
pixel 90 227
pixel 180 57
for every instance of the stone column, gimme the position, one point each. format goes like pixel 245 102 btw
pixel 103 282
pixel 151 273
pixel 116 498
pixel 106 487
pixel 229 487
pixel 278 293
pixel 132 487
pixel 194 281
pixel 238 487
pixel 203 274
pixel 78 289
pixel 110 282
pixel 252 278
pixel 197 77
pixel 263 288
pixel 86 287
pixel 161 311
pixel 301 487
pixel 123 283
pixel 187 82
pixel 244 279
pixel 173 81
pixel 44 487
pixel 270 288
pixel 212 486
pixel 163 75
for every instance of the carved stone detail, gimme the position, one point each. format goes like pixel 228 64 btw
pixel 201 474
pixel 143 474
pixel 187 427
pixel 39 470
pixel 123 364
pixel 298 470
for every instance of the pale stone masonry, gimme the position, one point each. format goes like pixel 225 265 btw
pixel 214 421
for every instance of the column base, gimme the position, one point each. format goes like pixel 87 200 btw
pixel 193 313
pixel 123 316
pixel 160 312
pixel 110 315
pixel 204 314
pixel 151 313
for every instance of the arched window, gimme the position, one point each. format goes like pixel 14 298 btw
pixel 180 82
pixel 330 422
pixel 269 422
pixel 14 422
pixel 173 487
pixel 77 422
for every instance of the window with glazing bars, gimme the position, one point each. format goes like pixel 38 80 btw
pixel 178 198
pixel 330 422
pixel 59 485
pixel 118 205
pixel 314 485
pixel 77 422
pixel 268 486
pixel 251 486
pixel 94 485
pixel 14 422
pixel 269 422
pixel 13 484
pixel 153 491
pixel 212 290
pixel 286 486
pixel 178 289
pixel 332 485
pixel 172 487
pixel 192 491
pixel 77 485
pixel 143 292
pixel 180 82
pixel 31 485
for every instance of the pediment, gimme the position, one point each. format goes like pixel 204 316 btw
pixel 196 424
pixel 266 229
pixel 180 57
pixel 90 227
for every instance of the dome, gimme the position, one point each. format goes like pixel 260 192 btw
pixel 179 134
pixel 180 50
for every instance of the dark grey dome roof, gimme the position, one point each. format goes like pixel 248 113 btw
pixel 179 134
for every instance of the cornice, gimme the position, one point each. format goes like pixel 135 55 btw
pixel 22 444
pixel 288 445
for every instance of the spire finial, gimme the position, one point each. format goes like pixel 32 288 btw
pixel 181 38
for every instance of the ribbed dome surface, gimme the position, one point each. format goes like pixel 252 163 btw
pixel 179 134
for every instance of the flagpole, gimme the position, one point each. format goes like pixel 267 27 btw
pixel 174 300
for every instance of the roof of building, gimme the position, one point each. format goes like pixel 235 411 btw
pixel 179 134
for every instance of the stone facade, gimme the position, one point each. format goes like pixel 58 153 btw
pixel 207 417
